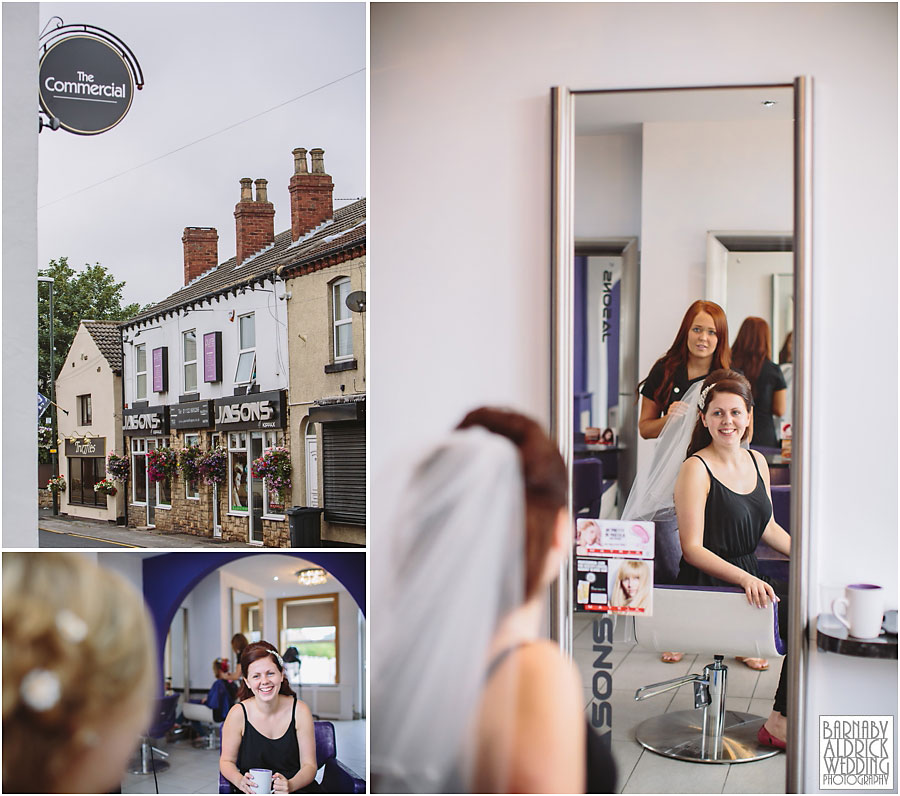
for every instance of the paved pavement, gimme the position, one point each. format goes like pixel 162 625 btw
pixel 65 531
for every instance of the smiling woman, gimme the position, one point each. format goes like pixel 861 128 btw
pixel 268 730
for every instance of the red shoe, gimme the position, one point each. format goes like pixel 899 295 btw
pixel 767 739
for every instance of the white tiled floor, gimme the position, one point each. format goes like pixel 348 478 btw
pixel 197 770
pixel 641 771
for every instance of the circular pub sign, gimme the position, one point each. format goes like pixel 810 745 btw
pixel 86 84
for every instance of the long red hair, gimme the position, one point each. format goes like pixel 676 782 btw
pixel 677 354
pixel 751 348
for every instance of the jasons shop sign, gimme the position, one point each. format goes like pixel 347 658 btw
pixel 147 421
pixel 257 410
pixel 86 84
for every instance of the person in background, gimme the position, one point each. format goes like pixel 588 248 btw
pixel 478 701
pixel 750 355
pixel 79 674
pixel 268 728
pixel 700 345
pixel 238 645
pixel 724 507
pixel 222 693
pixel 786 363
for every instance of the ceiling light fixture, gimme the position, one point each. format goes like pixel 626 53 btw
pixel 314 576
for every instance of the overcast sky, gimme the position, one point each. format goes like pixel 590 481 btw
pixel 207 66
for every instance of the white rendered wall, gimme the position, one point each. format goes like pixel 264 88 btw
pixel 19 333
pixel 460 190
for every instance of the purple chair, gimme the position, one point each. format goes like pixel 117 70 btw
pixel 146 762
pixel 337 777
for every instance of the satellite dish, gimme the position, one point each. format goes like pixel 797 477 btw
pixel 356 301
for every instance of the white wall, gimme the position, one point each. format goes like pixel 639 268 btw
pixel 460 189
pixel 271 345
pixel 19 332
pixel 750 289
pixel 615 210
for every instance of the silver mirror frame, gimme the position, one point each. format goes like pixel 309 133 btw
pixel 562 250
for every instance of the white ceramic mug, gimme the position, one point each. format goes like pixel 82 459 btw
pixel 263 779
pixel 863 609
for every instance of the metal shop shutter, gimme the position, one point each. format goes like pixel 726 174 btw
pixel 344 466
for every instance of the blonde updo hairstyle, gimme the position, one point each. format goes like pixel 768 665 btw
pixel 89 629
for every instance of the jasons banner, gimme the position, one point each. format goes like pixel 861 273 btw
pixel 147 421
pixel 257 410
pixel 86 84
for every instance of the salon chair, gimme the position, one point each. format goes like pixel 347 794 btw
pixel 718 622
pixel 145 761
pixel 203 714
pixel 337 778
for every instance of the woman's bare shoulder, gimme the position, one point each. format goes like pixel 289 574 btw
pixel 542 659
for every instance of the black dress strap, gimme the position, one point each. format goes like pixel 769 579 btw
pixel 755 463
pixel 294 710
pixel 246 718
pixel 500 657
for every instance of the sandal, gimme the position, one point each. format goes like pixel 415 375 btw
pixel 767 739
pixel 671 657
pixel 757 664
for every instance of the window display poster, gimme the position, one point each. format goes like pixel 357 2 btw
pixel 624 538
pixel 614 585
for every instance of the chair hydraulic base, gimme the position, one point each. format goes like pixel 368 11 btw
pixel 707 734
pixel 146 761
pixel 680 735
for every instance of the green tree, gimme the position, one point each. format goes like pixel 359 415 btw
pixel 90 294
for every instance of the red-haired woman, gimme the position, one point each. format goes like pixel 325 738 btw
pixel 269 728
pixel 750 355
pixel 700 346
pixel 724 507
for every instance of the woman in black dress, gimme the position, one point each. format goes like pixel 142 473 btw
pixel 750 355
pixel 269 728
pixel 724 508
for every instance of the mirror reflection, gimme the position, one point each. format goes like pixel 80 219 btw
pixel 683 265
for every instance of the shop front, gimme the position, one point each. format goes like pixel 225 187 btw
pixel 150 498
pixel 250 425
pixel 86 466
pixel 197 506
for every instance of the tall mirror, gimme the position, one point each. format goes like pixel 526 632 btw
pixel 663 197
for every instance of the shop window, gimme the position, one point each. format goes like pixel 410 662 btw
pixel 273 502
pixel 311 625
pixel 139 470
pixel 84 410
pixel 189 357
pixel 164 487
pixel 238 472
pixel 246 365
pixel 140 372
pixel 192 488
pixel 83 474
pixel 344 471
pixel 342 320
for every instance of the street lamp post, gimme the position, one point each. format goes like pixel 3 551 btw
pixel 53 440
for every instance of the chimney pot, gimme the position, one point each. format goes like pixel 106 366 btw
pixel 300 166
pixel 261 190
pixel 311 192
pixel 318 160
pixel 246 189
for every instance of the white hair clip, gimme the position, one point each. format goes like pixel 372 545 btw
pixel 40 689
pixel 279 659
pixel 71 627
pixel 702 402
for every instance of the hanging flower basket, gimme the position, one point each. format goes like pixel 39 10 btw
pixel 161 464
pixel 189 463
pixel 106 487
pixel 118 467
pixel 213 466
pixel 275 467
pixel 57 484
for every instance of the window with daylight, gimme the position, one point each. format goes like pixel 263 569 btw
pixel 192 488
pixel 83 474
pixel 189 354
pixel 238 472
pixel 84 410
pixel 342 320
pixel 140 372
pixel 311 625
pixel 246 365
pixel 251 621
